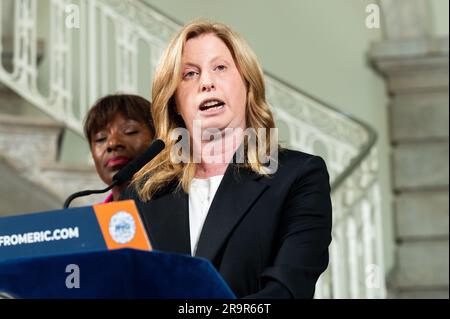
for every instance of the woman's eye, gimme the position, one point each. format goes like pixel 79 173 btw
pixel 100 139
pixel 189 74
pixel 220 67
pixel 132 132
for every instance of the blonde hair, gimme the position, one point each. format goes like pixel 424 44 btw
pixel 161 171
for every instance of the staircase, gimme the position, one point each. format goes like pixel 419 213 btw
pixel 34 179
pixel 117 40
pixel 31 140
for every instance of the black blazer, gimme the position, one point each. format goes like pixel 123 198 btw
pixel 267 236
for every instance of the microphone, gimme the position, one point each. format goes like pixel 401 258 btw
pixel 125 173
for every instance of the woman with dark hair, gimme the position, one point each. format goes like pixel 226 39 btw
pixel 118 128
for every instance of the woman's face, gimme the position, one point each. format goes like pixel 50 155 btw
pixel 211 89
pixel 117 144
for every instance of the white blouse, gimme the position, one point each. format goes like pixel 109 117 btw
pixel 201 195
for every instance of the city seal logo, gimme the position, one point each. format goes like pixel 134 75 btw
pixel 122 227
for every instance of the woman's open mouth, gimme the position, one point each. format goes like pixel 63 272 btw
pixel 211 105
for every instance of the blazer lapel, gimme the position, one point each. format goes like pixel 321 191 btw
pixel 237 192
pixel 167 222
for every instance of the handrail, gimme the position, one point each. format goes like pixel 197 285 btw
pixel 365 149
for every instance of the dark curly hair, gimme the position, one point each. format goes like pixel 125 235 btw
pixel 131 107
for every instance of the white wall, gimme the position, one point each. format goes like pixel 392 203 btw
pixel 439 16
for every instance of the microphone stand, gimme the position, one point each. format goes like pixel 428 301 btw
pixel 87 192
pixel 125 173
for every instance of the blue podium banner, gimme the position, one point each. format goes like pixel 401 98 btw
pixel 100 227
pixel 96 252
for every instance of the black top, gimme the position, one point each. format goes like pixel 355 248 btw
pixel 268 236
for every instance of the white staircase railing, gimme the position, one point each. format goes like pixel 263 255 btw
pixel 116 48
pixel 356 252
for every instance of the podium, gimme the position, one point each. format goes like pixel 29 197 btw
pixel 124 273
pixel 97 252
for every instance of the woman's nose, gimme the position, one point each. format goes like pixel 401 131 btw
pixel 114 142
pixel 207 83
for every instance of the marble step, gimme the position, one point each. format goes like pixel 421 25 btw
pixel 29 141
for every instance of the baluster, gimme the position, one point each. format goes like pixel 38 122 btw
pixel 118 53
pixel 59 62
pixel 103 53
pixel 24 60
pixel 323 289
pixel 337 251
pixel 353 257
pixel 126 77
pixel 1 35
pixel 368 243
pixel 67 69
pixel 337 266
pixel 318 294
pixel 83 101
pixel 133 53
pixel 375 193
pixel 2 7
pixel 92 51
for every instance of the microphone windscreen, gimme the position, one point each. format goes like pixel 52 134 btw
pixel 135 165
